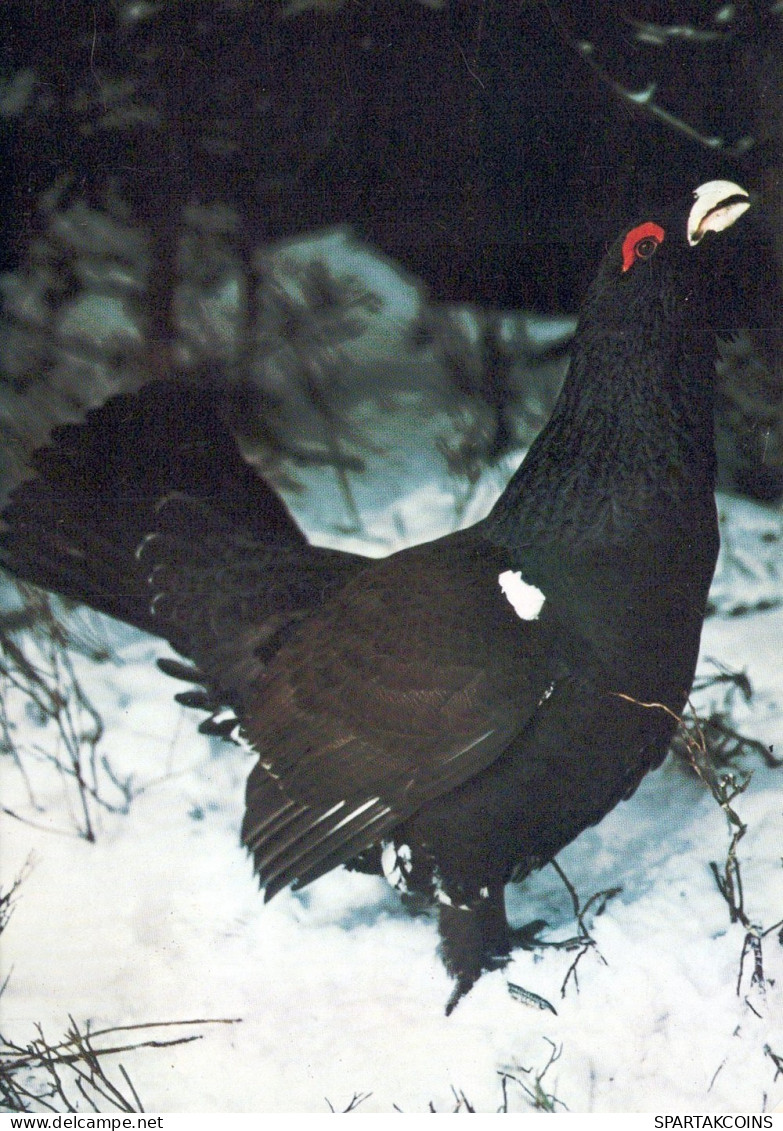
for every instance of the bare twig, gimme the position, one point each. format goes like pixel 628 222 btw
pixel 537 1095
pixel 58 1077
pixel 584 940
pixel 39 668
pixel 356 1099
pixel 724 787
pixel 776 1059
pixel 528 937
pixel 8 898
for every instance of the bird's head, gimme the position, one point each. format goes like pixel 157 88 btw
pixel 665 263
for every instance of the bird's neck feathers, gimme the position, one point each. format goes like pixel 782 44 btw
pixel 631 435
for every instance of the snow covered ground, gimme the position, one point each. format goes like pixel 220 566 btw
pixel 338 991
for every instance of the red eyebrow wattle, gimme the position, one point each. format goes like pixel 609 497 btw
pixel 642 231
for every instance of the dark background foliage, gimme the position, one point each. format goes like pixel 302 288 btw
pixel 160 150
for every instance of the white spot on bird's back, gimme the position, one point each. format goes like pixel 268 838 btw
pixel 526 600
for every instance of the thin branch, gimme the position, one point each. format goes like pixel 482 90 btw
pixel 724 787
pixel 643 100
pixel 75 1063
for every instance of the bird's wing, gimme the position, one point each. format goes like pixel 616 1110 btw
pixel 413 679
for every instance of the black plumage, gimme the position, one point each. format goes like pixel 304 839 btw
pixel 463 708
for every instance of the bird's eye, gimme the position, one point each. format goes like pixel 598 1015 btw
pixel 641 242
pixel 646 247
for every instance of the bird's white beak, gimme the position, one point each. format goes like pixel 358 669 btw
pixel 717 205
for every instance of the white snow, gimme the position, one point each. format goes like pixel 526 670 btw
pixel 339 990
pixel 161 920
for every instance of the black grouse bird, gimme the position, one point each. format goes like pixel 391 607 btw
pixel 464 708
